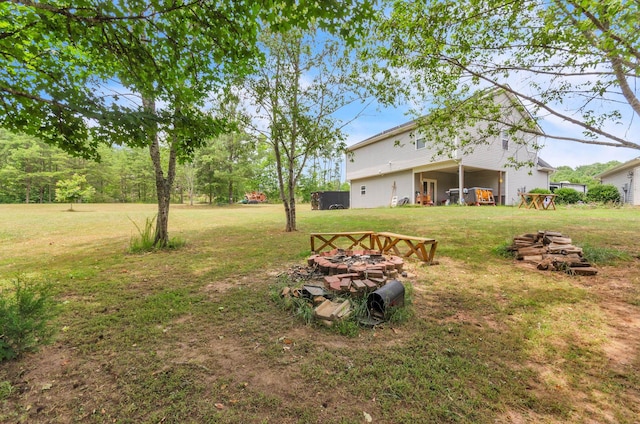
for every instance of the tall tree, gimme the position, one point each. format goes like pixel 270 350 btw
pixel 570 61
pixel 307 78
pixel 81 73
pixel 102 175
pixel 135 175
pixel 186 177
pixel 226 162
pixel 264 178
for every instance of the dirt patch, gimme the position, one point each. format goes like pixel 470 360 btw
pixel 58 386
pixel 619 292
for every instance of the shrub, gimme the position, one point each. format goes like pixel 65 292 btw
pixel 568 196
pixel 143 243
pixel 605 193
pixel 504 250
pixel 25 311
pixel 5 389
pixel 147 235
pixel 540 191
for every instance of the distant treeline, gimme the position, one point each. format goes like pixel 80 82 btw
pixel 222 172
pixel 584 174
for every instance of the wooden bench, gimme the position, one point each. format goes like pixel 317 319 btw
pixel 364 239
pixel 416 245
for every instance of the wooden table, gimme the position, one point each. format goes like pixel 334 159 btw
pixel 538 201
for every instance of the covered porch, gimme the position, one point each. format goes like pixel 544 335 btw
pixel 441 183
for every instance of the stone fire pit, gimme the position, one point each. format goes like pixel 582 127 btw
pixel 333 277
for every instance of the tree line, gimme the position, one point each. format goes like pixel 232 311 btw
pixel 583 174
pixel 222 171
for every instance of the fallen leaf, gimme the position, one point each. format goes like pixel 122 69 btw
pixel 367 417
pixel 219 406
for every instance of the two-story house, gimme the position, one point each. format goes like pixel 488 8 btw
pixel 400 163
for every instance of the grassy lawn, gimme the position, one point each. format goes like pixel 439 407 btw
pixel 192 336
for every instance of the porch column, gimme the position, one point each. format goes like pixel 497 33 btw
pixel 499 202
pixel 460 183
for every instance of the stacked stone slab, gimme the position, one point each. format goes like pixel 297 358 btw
pixel 347 261
pixel 550 250
pixel 355 271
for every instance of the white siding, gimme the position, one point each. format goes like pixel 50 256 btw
pixel 517 180
pixel 493 156
pixel 635 200
pixel 379 190
pixel 629 178
pixel 392 154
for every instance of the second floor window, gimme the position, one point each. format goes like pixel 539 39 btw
pixel 504 135
pixel 420 143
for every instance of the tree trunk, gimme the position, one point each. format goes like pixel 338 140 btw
pixel 291 211
pixel 163 184
pixel 28 191
pixel 163 188
pixel 291 192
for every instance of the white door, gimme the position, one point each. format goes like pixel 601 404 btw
pixel 430 188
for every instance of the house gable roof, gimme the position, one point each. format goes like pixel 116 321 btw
pixel 544 165
pixel 408 126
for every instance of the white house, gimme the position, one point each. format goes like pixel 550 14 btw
pixel 399 163
pixel 626 178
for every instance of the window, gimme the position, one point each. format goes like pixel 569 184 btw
pixel 504 135
pixel 363 190
pixel 420 143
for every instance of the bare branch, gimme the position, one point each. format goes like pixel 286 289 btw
pixel 621 142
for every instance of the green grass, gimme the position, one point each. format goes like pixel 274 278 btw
pixel 166 336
